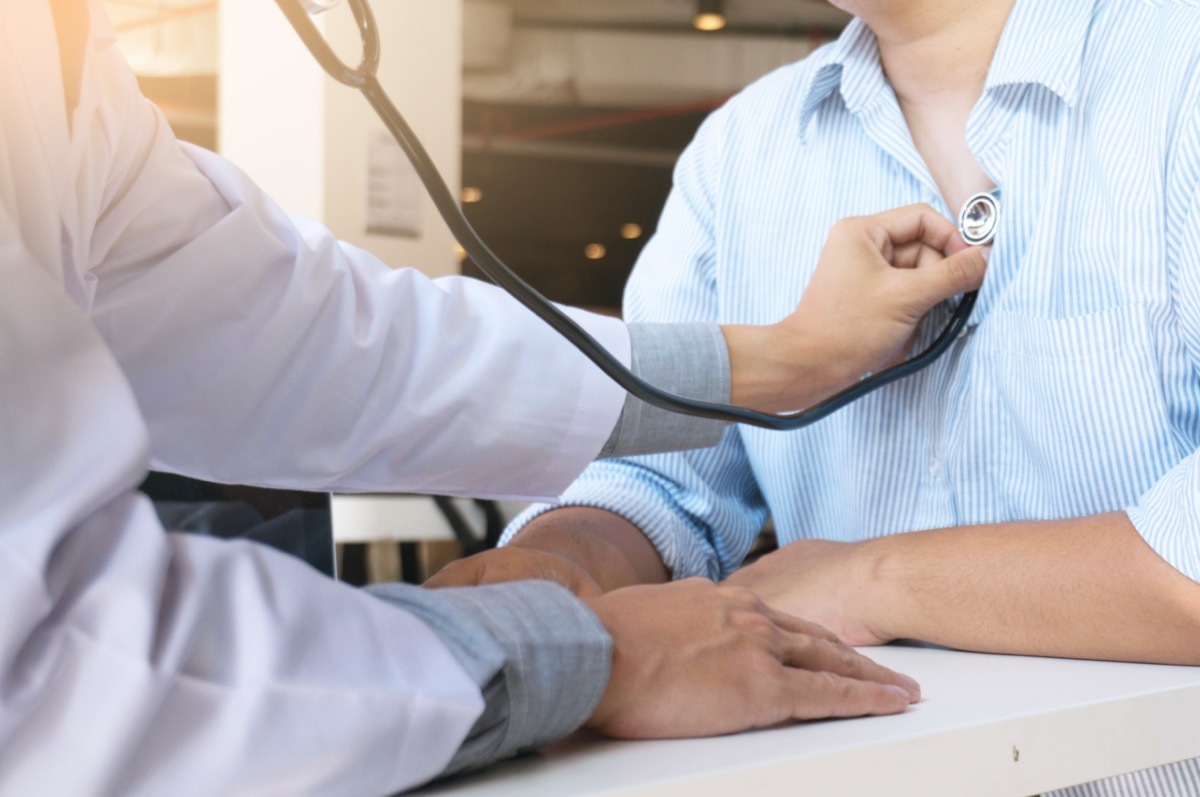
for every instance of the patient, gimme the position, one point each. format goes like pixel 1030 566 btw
pixel 1036 490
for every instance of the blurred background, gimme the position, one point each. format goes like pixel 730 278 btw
pixel 557 121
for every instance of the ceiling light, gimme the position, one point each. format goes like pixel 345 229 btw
pixel 595 252
pixel 710 15
pixel 471 195
pixel 631 232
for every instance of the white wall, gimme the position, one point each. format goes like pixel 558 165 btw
pixel 305 138
pixel 270 115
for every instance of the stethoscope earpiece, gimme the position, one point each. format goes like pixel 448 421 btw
pixel 979 218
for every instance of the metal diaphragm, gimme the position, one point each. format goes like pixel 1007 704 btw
pixel 979 218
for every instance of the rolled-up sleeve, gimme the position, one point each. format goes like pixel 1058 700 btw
pixel 701 509
pixel 1168 515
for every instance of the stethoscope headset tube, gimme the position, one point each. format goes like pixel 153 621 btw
pixel 365 79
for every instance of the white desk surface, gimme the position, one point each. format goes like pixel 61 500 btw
pixel 999 726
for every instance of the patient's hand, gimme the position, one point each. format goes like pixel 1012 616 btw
pixel 693 658
pixel 586 550
pixel 819 580
pixel 515 563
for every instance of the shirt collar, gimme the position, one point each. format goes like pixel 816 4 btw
pixel 1043 43
pixel 851 64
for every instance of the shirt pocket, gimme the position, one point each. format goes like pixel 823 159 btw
pixel 1072 418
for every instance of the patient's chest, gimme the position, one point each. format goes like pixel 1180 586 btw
pixel 1071 393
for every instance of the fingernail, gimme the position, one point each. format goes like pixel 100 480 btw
pixel 903 694
pixel 986 251
pixel 913 688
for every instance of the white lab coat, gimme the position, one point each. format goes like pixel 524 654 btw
pixel 156 308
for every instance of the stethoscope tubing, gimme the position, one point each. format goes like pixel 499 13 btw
pixel 366 80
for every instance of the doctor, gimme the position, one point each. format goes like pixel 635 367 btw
pixel 156 308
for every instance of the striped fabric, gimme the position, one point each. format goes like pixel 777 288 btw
pixel 1075 390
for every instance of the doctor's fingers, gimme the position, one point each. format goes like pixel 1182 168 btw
pixel 818 695
pixel 818 655
pixel 916 254
pixel 936 281
pixel 800 644
pixel 914 223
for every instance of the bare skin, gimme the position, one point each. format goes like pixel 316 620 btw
pixel 1086 587
pixel 696 659
pixel 878 276
pixel 936 54
pixel 709 660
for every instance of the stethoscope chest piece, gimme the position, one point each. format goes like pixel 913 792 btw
pixel 979 218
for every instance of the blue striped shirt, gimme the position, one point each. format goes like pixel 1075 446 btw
pixel 1076 388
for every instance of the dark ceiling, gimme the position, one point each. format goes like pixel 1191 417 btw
pixel 556 179
pixel 540 211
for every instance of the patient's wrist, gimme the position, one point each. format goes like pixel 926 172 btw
pixel 881 590
pixel 606 547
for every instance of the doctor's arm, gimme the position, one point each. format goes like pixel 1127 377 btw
pixel 875 279
pixel 136 662
pixel 266 352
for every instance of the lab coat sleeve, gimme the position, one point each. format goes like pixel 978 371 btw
pixel 541 659
pixel 139 663
pixel 689 360
pixel 702 510
pixel 263 351
pixel 1168 515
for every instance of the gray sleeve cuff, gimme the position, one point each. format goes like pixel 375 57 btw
pixel 690 360
pixel 540 657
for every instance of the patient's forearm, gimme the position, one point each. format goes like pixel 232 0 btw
pixel 1083 588
pixel 608 547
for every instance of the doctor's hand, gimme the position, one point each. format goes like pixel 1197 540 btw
pixel 876 279
pixel 693 658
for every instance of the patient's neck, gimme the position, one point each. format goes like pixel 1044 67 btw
pixel 934 48
pixel 936 54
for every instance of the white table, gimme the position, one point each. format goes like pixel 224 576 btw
pixel 999 726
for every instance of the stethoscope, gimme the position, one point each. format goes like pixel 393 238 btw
pixel 978 220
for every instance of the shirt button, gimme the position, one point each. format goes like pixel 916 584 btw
pixel 936 467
